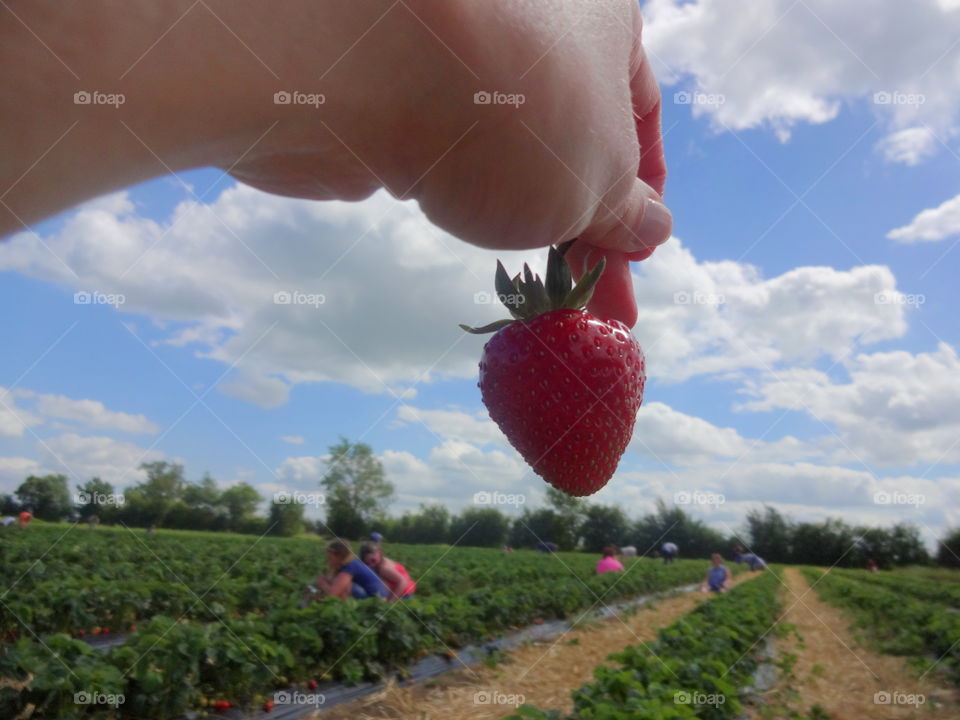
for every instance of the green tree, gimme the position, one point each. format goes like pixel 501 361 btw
pixel 240 502
pixel 602 525
pixel 479 527
pixel 769 534
pixel 672 524
pixel 95 497
pixel 948 549
pixel 202 494
pixel 357 490
pixel 47 497
pixel 286 519
pixel 430 525
pixel 569 513
pixel 152 500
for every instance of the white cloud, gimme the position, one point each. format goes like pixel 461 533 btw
pixel 909 146
pixel 91 413
pixel 386 323
pixel 361 278
pixel 675 438
pixel 14 470
pixel 720 317
pixel 778 62
pixel 898 409
pixel 14 420
pixel 931 225
pixel 292 439
pixel 267 392
pixel 476 428
pixel 81 458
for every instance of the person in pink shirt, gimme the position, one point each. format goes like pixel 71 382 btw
pixel 609 563
pixel 394 575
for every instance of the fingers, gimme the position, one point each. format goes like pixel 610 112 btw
pixel 646 112
pixel 613 297
pixel 642 223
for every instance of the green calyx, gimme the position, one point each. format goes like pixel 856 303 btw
pixel 527 296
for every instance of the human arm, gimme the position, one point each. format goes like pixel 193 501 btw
pixel 581 157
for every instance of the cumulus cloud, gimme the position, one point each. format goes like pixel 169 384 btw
pixel 14 470
pixel 910 146
pixel 898 408
pixel 671 437
pixel 14 420
pixel 777 63
pixel 82 457
pixel 341 292
pixel 292 439
pixel 719 317
pixel 91 413
pixel 931 225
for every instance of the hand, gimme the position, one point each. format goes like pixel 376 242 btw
pixel 579 157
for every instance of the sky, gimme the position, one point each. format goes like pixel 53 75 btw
pixel 800 327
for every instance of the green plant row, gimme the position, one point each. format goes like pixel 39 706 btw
pixel 931 590
pixel 896 623
pixel 169 667
pixel 76 580
pixel 693 670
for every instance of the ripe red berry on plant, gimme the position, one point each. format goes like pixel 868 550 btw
pixel 563 385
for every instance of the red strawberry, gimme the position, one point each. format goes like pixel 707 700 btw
pixel 268 706
pixel 563 385
pixel 133 628
pixel 312 685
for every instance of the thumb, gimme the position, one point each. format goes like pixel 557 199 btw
pixel 613 297
pixel 642 223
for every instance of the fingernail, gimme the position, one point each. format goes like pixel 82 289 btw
pixel 656 224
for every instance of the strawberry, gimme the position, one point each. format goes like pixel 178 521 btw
pixel 268 706
pixel 563 386
pixel 312 685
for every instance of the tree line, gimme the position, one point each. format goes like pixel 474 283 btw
pixel 357 496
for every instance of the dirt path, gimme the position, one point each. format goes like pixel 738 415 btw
pixel 849 681
pixel 543 673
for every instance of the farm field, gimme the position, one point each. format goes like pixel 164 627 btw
pixel 215 618
pixel 207 619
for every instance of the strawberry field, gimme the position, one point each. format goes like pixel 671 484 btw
pixel 909 614
pixel 213 618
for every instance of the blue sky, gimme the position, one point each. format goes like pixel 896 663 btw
pixel 800 390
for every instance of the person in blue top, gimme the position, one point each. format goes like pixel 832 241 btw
pixel 348 577
pixel 740 555
pixel 718 576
